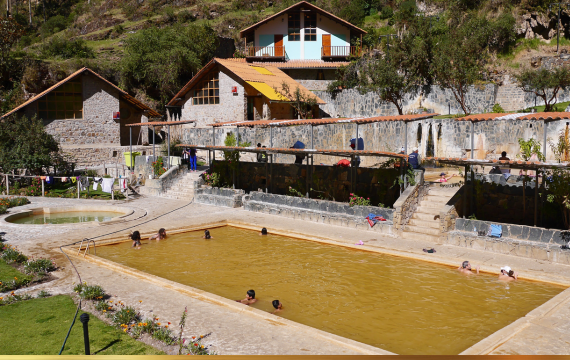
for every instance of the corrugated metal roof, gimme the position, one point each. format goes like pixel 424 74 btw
pixel 247 72
pixel 124 94
pixel 316 122
pixel 304 4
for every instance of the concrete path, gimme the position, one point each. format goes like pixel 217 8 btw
pixel 235 332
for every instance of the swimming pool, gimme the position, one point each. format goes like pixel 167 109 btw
pixel 397 304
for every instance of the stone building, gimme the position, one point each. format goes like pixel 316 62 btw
pixel 232 89
pixel 87 115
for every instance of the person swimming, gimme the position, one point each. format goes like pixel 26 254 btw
pixel 136 238
pixel 207 235
pixel 465 268
pixel 507 274
pixel 249 298
pixel 263 231
pixel 161 235
pixel 277 305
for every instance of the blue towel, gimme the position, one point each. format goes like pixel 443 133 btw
pixel 495 231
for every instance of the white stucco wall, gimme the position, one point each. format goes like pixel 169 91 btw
pixel 304 50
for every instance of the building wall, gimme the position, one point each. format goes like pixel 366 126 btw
pixel 340 36
pixel 308 78
pixel 232 106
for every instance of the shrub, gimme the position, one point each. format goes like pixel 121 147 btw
pixel 63 48
pixel 103 306
pixel 14 298
pixel 39 266
pixel 356 200
pixel 149 326
pixel 89 292
pixel 386 12
pixel 43 294
pixel 497 108
pixel 185 16
pixel 3 209
pixel 125 316
pixel 54 25
pixel 10 254
pixel 13 201
pixel 212 179
pixel 158 167
pixel 164 335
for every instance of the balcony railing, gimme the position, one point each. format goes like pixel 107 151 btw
pixel 265 52
pixel 339 51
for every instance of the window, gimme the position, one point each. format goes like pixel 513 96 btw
pixel 208 91
pixel 311 27
pixel 294 30
pixel 65 102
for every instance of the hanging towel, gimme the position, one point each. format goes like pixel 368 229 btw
pixel 73 179
pixel 96 182
pixel 107 185
pixel 495 231
pixel 373 219
pixel 49 179
pixel 63 179
pixel 147 158
pixel 43 177
pixel 123 185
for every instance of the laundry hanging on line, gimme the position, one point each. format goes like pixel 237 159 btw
pixel 107 185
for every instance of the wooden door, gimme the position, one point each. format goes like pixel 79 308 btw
pixel 326 45
pixel 278 40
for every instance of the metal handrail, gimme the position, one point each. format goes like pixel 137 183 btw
pixel 265 51
pixel 87 248
pixel 339 51
pixel 81 245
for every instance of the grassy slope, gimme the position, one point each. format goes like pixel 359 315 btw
pixel 7 272
pixel 39 326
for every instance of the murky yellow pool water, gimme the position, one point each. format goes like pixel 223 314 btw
pixel 401 305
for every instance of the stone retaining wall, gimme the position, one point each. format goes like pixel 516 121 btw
pixel 408 203
pixel 326 212
pixel 519 240
pixel 157 187
pixel 219 196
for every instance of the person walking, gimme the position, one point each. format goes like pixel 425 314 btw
pixel 192 158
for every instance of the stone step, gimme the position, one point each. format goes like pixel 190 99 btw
pixel 419 237
pixel 431 204
pixel 428 210
pixel 422 230
pixel 182 187
pixel 179 194
pixel 436 199
pixel 443 192
pixel 178 197
pixel 425 223
pixel 423 216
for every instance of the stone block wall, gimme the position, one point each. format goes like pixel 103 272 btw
pixel 408 203
pixel 326 212
pixel 157 187
pixel 328 182
pixel 219 196
pixel 96 156
pixel 526 241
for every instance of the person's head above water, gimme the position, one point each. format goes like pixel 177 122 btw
pixel 251 294
pixel 136 235
pixel 162 232
pixel 207 234
pixel 466 265
pixel 276 304
pixel 264 231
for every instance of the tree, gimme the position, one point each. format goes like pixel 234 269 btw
pixel 26 145
pixel 161 60
pixel 545 83
pixel 528 148
pixel 10 32
pixel 301 102
pixel 559 187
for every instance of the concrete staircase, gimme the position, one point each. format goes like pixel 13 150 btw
pixel 424 224
pixel 183 189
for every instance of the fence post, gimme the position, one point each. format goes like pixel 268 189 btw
pixel 7 186
pixel 78 189
pixel 113 190
pixel 43 191
pixel 84 318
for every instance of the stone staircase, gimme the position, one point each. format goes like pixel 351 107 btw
pixel 425 223
pixel 183 188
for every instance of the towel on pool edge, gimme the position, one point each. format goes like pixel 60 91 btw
pixel 495 231
pixel 373 219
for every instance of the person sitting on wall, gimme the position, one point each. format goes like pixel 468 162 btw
pixel 504 156
pixel 443 178
pixel 161 235
pixel 277 305
pixel 414 160
pixel 465 268
pixel 507 274
pixel 207 235
pixel 249 298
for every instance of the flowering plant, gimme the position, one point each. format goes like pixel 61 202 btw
pixel 158 167
pixel 212 179
pixel 356 200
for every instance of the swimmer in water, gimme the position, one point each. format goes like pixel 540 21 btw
pixel 136 238
pixel 507 274
pixel 465 268
pixel 207 235
pixel 249 298
pixel 263 231
pixel 277 305
pixel 161 235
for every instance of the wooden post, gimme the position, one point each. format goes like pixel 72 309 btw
pixel 7 186
pixel 113 190
pixel 43 191
pixel 78 188
pixel 465 193
pixel 536 195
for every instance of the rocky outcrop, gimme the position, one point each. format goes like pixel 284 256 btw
pixel 539 26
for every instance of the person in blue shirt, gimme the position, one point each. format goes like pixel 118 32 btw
pixel 415 161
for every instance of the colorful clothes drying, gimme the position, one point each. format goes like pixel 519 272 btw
pixel 373 219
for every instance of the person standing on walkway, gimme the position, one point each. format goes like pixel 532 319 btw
pixel 192 158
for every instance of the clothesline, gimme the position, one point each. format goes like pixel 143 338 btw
pixel 107 183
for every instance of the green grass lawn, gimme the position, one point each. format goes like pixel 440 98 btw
pixel 560 107
pixel 39 326
pixel 7 272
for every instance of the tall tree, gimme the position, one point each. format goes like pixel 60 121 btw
pixel 10 32
pixel 544 83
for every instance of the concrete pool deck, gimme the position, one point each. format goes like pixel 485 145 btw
pixel 543 331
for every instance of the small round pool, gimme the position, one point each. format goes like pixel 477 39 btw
pixel 69 215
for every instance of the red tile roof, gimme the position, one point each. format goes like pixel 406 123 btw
pixel 162 123
pixel 546 116
pixel 125 95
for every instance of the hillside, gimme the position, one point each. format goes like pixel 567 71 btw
pixel 67 34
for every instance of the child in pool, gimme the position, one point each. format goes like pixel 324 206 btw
pixel 207 235
pixel 277 305
pixel 136 238
pixel 161 235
